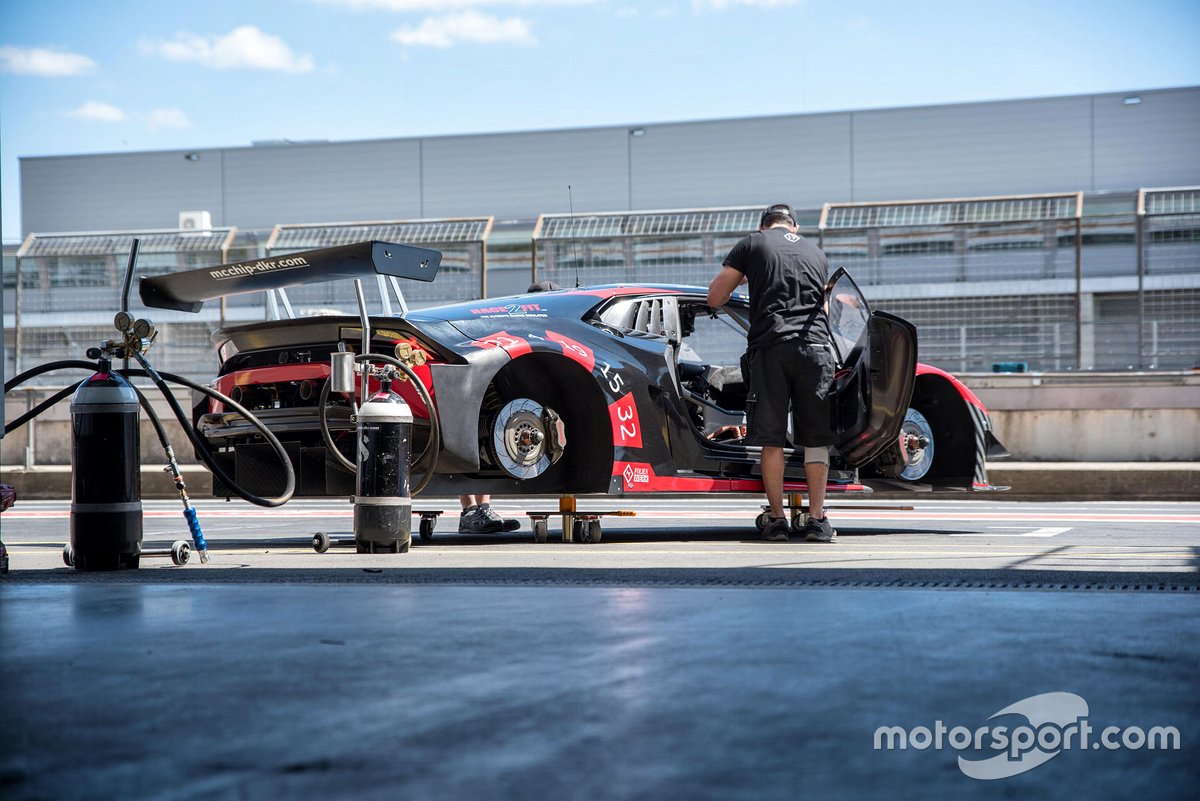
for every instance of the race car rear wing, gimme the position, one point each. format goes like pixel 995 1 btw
pixel 187 291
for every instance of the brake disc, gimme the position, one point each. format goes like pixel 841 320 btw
pixel 916 446
pixel 520 441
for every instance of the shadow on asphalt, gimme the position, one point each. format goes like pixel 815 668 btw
pixel 227 571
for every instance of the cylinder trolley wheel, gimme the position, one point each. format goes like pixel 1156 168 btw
pixel 320 542
pixel 181 552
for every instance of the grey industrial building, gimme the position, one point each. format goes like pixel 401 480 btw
pixel 1130 260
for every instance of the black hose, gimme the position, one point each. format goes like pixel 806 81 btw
pixel 432 446
pixel 34 372
pixel 339 459
pixel 41 407
pixel 202 448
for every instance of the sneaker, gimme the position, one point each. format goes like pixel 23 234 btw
pixel 484 520
pixel 506 523
pixel 468 521
pixel 777 530
pixel 819 530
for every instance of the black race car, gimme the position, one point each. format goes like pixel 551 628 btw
pixel 612 389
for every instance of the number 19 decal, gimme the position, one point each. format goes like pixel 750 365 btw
pixel 626 429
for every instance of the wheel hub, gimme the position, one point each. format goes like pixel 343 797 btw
pixel 521 442
pixel 916 446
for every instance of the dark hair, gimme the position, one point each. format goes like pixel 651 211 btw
pixel 777 213
pixel 543 286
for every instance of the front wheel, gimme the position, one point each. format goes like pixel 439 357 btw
pixel 527 438
pixel 911 457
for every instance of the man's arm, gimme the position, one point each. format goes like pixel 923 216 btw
pixel 723 285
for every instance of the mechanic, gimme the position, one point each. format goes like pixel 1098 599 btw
pixel 789 359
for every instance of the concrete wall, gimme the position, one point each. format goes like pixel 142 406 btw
pixel 1100 417
pixel 1089 142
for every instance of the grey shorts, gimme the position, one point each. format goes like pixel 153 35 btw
pixel 791 376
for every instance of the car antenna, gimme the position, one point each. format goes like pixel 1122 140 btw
pixel 127 283
pixel 574 239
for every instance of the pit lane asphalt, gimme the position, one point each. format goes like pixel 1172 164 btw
pixel 669 539
pixel 680 658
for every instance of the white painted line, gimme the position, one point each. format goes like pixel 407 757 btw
pixel 1041 532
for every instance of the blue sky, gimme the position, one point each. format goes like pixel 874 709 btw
pixel 128 75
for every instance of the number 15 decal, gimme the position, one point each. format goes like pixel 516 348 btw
pixel 626 429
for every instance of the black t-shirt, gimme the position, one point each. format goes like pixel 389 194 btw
pixel 787 276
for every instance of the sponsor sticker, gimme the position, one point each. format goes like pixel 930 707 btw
pixel 248 268
pixel 510 310
pixel 636 473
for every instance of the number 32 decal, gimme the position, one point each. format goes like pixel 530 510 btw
pixel 626 429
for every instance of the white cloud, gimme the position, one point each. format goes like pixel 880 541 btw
pixel 167 118
pixel 245 47
pixel 467 26
pixel 43 61
pixel 97 111
pixel 446 5
pixel 155 120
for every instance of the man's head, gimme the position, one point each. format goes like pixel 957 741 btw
pixel 543 286
pixel 778 214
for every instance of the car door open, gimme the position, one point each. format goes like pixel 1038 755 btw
pixel 877 356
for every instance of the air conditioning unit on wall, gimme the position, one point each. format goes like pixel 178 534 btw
pixel 195 221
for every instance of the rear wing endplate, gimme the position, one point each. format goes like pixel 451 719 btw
pixel 187 291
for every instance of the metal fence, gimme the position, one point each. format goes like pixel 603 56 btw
pixel 462 276
pixel 1168 270
pixel 68 288
pixel 670 247
pixel 1054 282
pixel 985 280
pixel 1049 282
